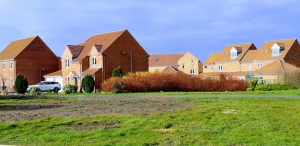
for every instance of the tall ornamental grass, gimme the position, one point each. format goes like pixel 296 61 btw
pixel 156 82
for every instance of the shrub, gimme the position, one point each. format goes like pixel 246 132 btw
pixel 117 72
pixel 68 89
pixel 34 91
pixel 273 87
pixel 156 82
pixel 253 84
pixel 88 84
pixel 118 87
pixel 292 78
pixel 21 84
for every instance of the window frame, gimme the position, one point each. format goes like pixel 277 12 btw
pixel 94 61
pixel 220 68
pixel 67 80
pixel 10 65
pixel 67 63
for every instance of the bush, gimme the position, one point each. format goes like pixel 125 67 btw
pixel 117 72
pixel 273 87
pixel 21 84
pixel 292 78
pixel 253 84
pixel 68 89
pixel 156 82
pixel 34 91
pixel 88 84
pixel 118 87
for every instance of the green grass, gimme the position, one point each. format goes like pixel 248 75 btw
pixel 248 121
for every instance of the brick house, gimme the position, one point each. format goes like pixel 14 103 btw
pixel 30 57
pixel 186 63
pixel 279 55
pixel 269 63
pixel 228 62
pixel 98 56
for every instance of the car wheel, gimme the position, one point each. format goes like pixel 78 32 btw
pixel 55 89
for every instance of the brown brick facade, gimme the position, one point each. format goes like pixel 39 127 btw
pixel 33 62
pixel 127 53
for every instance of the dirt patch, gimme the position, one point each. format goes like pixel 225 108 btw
pixel 229 112
pixel 87 126
pixel 90 106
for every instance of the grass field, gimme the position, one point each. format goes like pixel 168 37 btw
pixel 228 118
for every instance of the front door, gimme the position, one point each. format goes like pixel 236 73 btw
pixel 75 81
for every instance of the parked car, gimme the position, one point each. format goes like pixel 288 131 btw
pixel 46 86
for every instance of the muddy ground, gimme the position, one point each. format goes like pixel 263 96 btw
pixel 86 107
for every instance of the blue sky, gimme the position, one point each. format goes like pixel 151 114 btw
pixel 161 26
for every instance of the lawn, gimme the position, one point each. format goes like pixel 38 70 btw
pixel 228 118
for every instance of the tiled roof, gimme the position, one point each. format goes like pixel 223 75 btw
pixel 15 48
pixel 265 52
pixel 57 73
pixel 225 55
pixel 170 69
pixel 105 40
pixel 276 67
pixel 249 56
pixel 75 50
pixel 98 47
pixel 161 60
pixel 91 71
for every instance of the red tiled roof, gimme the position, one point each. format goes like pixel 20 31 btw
pixel 265 52
pixel 105 40
pixel 170 69
pixel 225 55
pixel 57 73
pixel 91 71
pixel 160 60
pixel 277 67
pixel 75 50
pixel 15 48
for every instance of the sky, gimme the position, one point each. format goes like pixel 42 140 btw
pixel 201 27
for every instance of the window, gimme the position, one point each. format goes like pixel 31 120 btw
pixel 192 61
pixel 182 65
pixel 275 52
pixel 220 68
pixel 212 68
pixel 277 48
pixel 11 65
pixel 94 60
pixel 67 62
pixel 67 80
pixel 192 71
pixel 3 66
pixel 10 82
pixel 233 54
pixel 259 65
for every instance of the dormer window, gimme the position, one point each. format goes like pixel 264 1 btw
pixel 277 48
pixel 94 60
pixel 234 52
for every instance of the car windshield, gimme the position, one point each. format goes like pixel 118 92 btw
pixel 40 83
